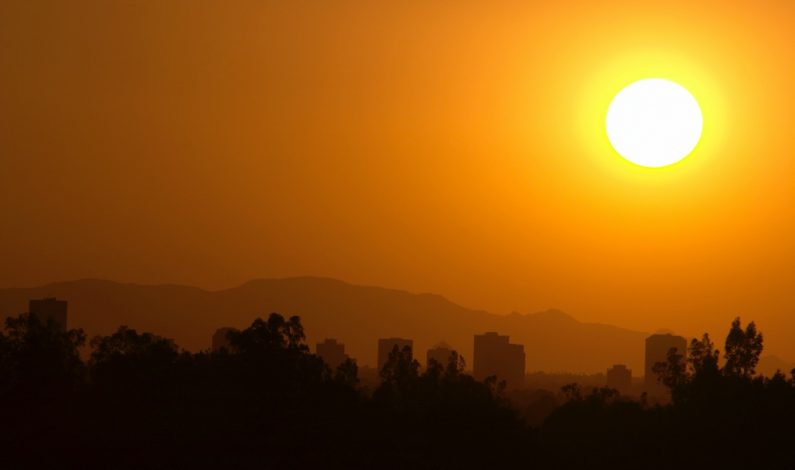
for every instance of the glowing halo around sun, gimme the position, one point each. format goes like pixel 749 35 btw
pixel 654 122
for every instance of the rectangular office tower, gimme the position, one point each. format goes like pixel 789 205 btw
pixel 385 346
pixel 657 347
pixel 332 353
pixel 495 355
pixel 49 309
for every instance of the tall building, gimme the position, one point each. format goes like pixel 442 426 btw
pixel 657 347
pixel 221 339
pixel 440 353
pixel 619 378
pixel 385 346
pixel 49 309
pixel 332 353
pixel 495 355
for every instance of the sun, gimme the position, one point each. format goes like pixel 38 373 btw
pixel 654 122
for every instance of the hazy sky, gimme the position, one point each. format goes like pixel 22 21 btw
pixel 451 147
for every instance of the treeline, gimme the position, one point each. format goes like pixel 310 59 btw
pixel 719 416
pixel 140 402
pixel 267 402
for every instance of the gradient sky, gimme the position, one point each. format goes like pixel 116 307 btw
pixel 450 147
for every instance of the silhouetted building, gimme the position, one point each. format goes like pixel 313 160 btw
pixel 332 353
pixel 657 347
pixel 495 355
pixel 440 353
pixel 221 339
pixel 619 378
pixel 49 309
pixel 385 346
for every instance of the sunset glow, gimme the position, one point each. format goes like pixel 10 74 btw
pixel 456 149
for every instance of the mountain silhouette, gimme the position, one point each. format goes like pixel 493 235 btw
pixel 355 315
pixel 770 364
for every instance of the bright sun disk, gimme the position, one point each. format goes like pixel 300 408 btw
pixel 654 122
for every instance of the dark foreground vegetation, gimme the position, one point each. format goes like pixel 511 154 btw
pixel 139 402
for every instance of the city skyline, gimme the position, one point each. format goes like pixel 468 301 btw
pixel 493 357
pixel 94 297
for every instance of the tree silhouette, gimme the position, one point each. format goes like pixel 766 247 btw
pixel 673 372
pixel 40 359
pixel 455 365
pixel 572 391
pixel 742 350
pixel 400 372
pixel 347 373
pixel 702 356
pixel 276 335
pixel 269 402
pixel 131 359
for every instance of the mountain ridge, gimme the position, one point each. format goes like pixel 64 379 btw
pixel 355 314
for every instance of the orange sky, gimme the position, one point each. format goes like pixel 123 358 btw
pixel 451 147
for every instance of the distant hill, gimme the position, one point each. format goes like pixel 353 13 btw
pixel 356 315
pixel 769 365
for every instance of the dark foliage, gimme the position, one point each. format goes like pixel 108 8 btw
pixel 718 418
pixel 266 402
